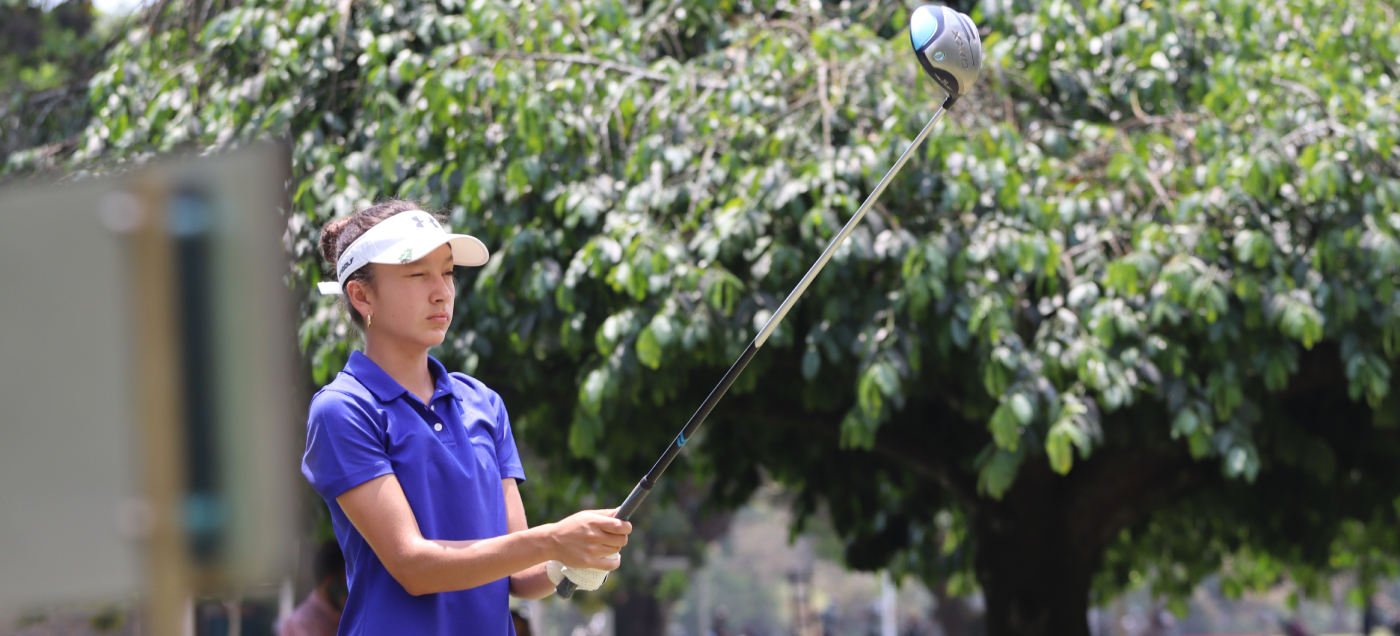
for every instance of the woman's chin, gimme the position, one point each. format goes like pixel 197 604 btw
pixel 434 337
pixel 425 337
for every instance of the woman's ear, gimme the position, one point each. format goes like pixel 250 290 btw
pixel 358 293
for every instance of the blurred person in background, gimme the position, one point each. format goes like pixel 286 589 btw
pixel 418 465
pixel 1380 613
pixel 1293 627
pixel 522 625
pixel 319 614
pixel 719 622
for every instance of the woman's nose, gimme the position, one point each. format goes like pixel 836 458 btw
pixel 447 289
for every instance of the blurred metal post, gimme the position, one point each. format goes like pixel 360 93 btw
pixel 148 373
pixel 703 617
pixel 159 406
pixel 286 599
pixel 889 605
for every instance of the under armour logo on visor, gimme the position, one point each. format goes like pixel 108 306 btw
pixel 430 219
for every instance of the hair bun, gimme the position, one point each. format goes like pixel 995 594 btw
pixel 330 239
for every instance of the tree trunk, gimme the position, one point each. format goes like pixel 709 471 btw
pixel 1039 548
pixel 956 616
pixel 638 613
pixel 1035 584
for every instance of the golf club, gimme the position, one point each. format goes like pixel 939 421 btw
pixel 950 51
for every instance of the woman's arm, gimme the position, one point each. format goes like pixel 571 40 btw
pixel 380 512
pixel 532 583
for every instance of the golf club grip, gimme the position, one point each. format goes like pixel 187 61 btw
pixel 566 588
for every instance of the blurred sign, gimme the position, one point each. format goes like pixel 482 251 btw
pixel 150 404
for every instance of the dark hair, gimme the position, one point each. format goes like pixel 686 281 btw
pixel 329 561
pixel 340 233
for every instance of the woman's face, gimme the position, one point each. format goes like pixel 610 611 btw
pixel 410 303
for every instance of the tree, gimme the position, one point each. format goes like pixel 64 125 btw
pixel 1129 315
pixel 45 54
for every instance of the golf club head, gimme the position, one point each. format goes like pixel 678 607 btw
pixel 948 47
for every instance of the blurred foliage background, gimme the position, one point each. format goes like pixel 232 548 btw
pixel 1129 316
pixel 45 58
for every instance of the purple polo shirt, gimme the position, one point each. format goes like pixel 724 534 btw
pixel 450 459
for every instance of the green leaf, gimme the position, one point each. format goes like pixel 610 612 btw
pixel 1186 423
pixel 858 431
pixel 1298 319
pixel 1022 407
pixel 1242 461
pixel 583 436
pixel 1199 443
pixel 617 328
pixel 1005 429
pixel 590 395
pixel 811 363
pixel 869 395
pixel 999 472
pixel 1059 448
pixel 1122 276
pixel 388 159
pixel 649 348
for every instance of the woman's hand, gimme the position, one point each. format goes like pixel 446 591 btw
pixel 590 539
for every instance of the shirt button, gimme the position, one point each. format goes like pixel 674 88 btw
pixel 437 427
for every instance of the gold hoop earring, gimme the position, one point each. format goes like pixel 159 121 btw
pixel 369 320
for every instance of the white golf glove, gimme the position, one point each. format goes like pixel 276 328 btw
pixel 587 579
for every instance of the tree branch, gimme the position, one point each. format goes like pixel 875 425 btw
pixel 606 65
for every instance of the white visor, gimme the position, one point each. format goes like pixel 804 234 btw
pixel 404 238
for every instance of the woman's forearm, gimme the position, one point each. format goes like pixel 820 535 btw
pixel 531 584
pixel 380 511
pixel 429 566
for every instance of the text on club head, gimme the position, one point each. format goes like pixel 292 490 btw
pixel 962 48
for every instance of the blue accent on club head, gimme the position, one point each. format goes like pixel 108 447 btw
pixel 923 25
pixel 681 440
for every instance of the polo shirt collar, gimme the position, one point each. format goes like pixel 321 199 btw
pixel 385 388
pixel 444 381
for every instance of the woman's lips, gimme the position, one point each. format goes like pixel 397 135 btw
pixel 441 317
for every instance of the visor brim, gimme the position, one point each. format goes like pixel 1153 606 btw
pixel 467 250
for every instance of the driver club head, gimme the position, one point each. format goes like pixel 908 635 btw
pixel 948 47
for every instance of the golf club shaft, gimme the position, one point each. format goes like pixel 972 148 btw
pixel 566 588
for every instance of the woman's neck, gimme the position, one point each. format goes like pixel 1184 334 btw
pixel 407 365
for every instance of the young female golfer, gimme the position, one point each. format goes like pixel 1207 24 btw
pixel 417 464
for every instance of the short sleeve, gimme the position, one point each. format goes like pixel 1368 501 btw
pixel 507 457
pixel 344 445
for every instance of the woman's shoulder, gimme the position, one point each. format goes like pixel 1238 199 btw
pixel 472 389
pixel 343 394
